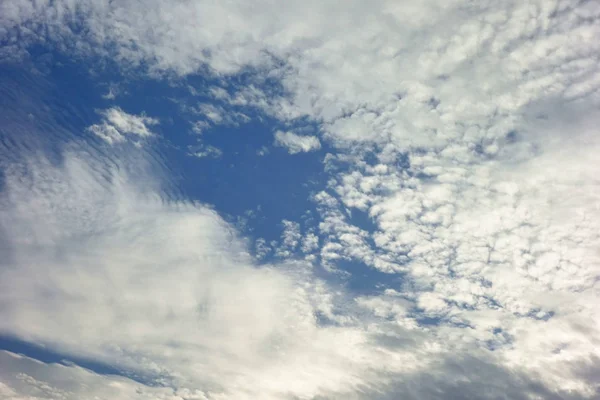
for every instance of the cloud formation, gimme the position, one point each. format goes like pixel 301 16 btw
pixel 190 307
pixel 296 143
pixel 464 135
pixel 194 314
pixel 117 125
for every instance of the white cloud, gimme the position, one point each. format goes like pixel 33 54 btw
pixel 213 113
pixel 290 239
pixel 296 143
pixel 110 95
pixel 117 125
pixel 199 127
pixel 479 125
pixel 262 249
pixel 189 305
pixel 263 151
pixel 129 124
pixel 26 379
pixel 310 243
pixel 494 243
pixel 203 151
pixel 92 249
pixel 113 91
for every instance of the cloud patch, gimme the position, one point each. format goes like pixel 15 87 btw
pixel 296 143
pixel 117 126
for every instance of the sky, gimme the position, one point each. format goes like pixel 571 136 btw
pixel 294 200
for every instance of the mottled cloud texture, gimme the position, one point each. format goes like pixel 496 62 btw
pixel 465 133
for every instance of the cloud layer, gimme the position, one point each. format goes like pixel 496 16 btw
pixel 103 268
pixel 463 159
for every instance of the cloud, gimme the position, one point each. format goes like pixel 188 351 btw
pixel 113 92
pixel 26 378
pixel 310 242
pixel 501 244
pixel 172 276
pixel 203 151
pixel 465 134
pixel 198 127
pixel 94 248
pixel 296 143
pixel 44 381
pixel 117 125
pixel 290 239
pixel 94 245
pixel 263 151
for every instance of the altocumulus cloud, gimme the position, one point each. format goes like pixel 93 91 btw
pixel 465 133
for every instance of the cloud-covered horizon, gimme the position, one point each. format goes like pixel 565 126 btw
pixel 450 248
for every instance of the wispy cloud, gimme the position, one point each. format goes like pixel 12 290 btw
pixel 203 151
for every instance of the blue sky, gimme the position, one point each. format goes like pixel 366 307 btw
pixel 314 200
